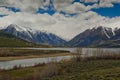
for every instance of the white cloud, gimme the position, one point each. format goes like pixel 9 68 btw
pixel 25 5
pixel 95 1
pixel 75 8
pixel 87 1
pixel 62 5
pixel 66 27
pixel 101 3
pixel 4 11
pixel 32 6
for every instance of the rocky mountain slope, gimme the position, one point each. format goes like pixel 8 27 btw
pixel 97 37
pixel 34 36
pixel 8 40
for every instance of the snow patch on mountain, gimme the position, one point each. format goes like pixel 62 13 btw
pixel 106 33
pixel 36 36
pixel 113 32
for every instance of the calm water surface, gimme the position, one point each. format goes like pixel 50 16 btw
pixel 33 61
pixel 30 62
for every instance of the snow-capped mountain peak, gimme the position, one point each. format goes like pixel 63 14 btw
pixel 16 27
pixel 109 32
pixel 105 32
pixel 32 35
pixel 94 35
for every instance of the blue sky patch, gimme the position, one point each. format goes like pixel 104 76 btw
pixel 2 15
pixel 12 9
pixel 49 11
pixel 109 12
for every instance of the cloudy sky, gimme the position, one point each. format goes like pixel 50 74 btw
pixel 65 18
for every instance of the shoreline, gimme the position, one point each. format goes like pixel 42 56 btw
pixel 33 56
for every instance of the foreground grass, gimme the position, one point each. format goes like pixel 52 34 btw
pixel 86 70
pixel 90 70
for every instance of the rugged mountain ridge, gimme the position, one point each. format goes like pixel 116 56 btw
pixel 97 37
pixel 8 40
pixel 35 36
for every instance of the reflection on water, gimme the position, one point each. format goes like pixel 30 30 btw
pixel 88 52
pixel 62 49
pixel 30 62
pixel 72 50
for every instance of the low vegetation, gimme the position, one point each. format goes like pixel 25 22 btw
pixel 99 65
pixel 85 70
pixel 96 54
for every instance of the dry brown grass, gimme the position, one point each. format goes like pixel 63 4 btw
pixel 49 70
pixel 4 77
pixel 94 55
pixel 32 56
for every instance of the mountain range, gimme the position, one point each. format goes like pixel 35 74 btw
pixel 34 36
pixel 8 40
pixel 96 37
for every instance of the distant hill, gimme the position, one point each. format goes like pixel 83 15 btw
pixel 8 40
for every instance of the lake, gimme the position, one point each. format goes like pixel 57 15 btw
pixel 30 62
pixel 72 50
pixel 33 61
